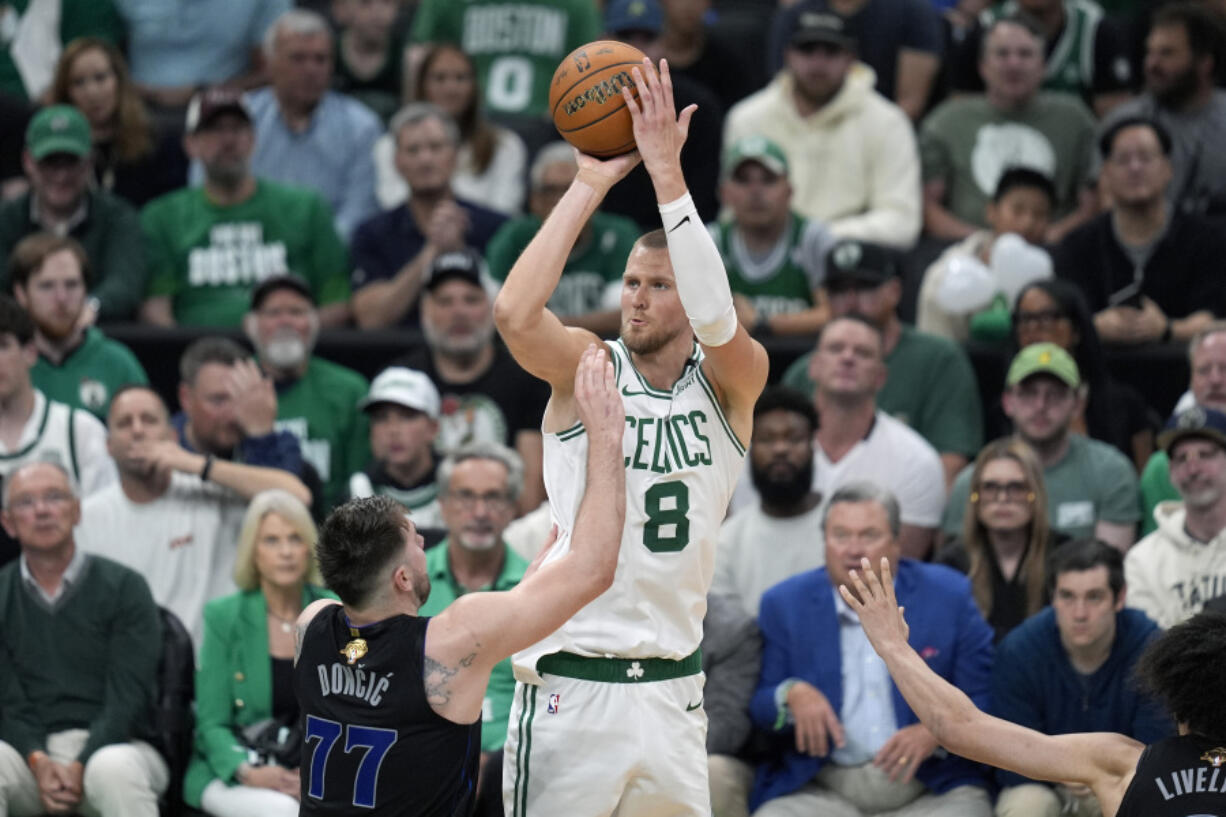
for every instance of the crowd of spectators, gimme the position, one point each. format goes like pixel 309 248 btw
pixel 908 196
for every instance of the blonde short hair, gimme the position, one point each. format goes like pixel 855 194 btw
pixel 289 508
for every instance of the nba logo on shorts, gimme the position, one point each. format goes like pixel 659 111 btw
pixel 554 700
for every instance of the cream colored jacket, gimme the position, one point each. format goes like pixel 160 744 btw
pixel 853 164
pixel 1170 576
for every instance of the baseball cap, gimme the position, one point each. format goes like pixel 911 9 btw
pixel 58 129
pixel 206 105
pixel 859 262
pixel 823 27
pixel 634 15
pixel 1194 422
pixel 1044 358
pixel 404 387
pixel 756 149
pixel 464 264
pixel 273 283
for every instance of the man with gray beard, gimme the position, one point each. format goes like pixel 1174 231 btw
pixel 317 400
pixel 485 394
pixel 780 535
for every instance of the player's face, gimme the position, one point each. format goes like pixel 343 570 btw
pixel 847 362
pixel 477 506
pixel 1005 496
pixel 301 68
pixel 425 157
pixel 1012 64
pixel 554 182
pixel 285 328
pixel 1209 372
pixel 818 70
pixel 1136 172
pixel 449 82
pixel 209 405
pixel 855 531
pixel 456 318
pixel 652 315
pixel 1040 319
pixel 1085 608
pixel 282 556
pixel 15 363
pixel 1170 66
pixel 54 295
pixel 1198 472
pixel 415 562
pixel 400 436
pixel 223 147
pixel 41 510
pixel 1041 408
pixel 136 417
pixel 1023 210
pixel 758 198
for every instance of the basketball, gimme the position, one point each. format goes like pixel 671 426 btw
pixel 585 97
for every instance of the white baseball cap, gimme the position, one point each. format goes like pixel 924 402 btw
pixel 404 387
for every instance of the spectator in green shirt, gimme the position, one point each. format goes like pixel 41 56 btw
pixel 316 399
pixel 77 364
pixel 478 487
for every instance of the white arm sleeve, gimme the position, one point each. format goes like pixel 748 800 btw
pixel 702 281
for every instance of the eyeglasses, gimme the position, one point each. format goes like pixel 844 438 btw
pixel 25 504
pixel 467 500
pixel 1140 157
pixel 1039 319
pixel 1016 491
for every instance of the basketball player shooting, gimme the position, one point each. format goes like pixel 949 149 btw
pixel 1178 776
pixel 391 701
pixel 607 717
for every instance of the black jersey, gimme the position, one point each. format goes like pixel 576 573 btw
pixel 371 742
pixel 1183 776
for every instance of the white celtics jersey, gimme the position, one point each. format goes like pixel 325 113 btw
pixel 53 440
pixel 682 462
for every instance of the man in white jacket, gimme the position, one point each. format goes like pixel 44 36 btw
pixel 852 155
pixel 1176 569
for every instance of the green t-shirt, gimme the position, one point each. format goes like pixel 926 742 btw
pixel 589 270
pixel 516 44
pixel 931 387
pixel 784 280
pixel 444 589
pixel 208 258
pixel 321 411
pixel 967 144
pixel 90 375
pixel 76 18
pixel 1093 482
pixel 1155 487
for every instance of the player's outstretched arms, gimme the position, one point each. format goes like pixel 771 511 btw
pixel 478 630
pixel 536 338
pixel 1101 760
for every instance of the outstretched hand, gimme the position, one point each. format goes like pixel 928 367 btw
pixel 659 131
pixel 873 600
pixel 596 398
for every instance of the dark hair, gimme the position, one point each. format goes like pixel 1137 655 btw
pixel 1087 553
pixel 1178 668
pixel 208 350
pixel 1020 19
pixel 127 387
pixel 1024 177
pixel 1203 27
pixel 33 250
pixel 475 129
pixel 15 321
pixel 783 398
pixel 358 540
pixel 1107 141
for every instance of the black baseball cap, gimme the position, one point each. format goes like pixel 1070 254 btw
pixel 464 264
pixel 852 262
pixel 823 27
pixel 273 283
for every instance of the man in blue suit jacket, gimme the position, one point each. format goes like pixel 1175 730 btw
pixel 857 748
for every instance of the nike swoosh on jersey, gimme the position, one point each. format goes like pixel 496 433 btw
pixel 692 707
pixel 632 393
pixel 678 224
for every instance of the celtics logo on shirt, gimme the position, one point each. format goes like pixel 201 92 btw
pixel 466 418
pixel 92 393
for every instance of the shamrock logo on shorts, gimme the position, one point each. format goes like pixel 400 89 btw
pixel 635 671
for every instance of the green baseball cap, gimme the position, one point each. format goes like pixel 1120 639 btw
pixel 58 129
pixel 756 149
pixel 1044 358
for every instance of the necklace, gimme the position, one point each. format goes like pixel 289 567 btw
pixel 287 624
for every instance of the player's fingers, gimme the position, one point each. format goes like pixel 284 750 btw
pixel 850 598
pixel 887 582
pixel 870 578
pixel 632 104
pixel 865 595
pixel 683 121
pixel 640 82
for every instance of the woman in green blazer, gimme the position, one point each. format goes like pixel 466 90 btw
pixel 246 662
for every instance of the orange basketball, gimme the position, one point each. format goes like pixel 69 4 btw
pixel 585 97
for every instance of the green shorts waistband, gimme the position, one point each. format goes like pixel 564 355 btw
pixel 618 670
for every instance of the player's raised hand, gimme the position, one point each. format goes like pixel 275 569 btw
pixel 874 601
pixel 659 131
pixel 596 398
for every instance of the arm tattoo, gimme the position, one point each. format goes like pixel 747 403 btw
pixel 438 678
